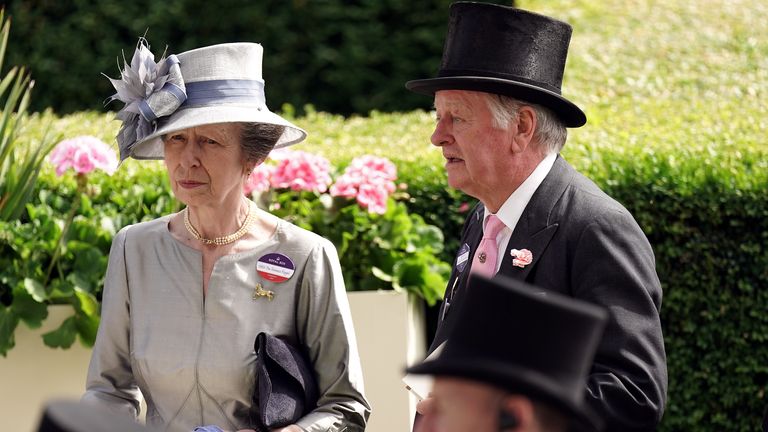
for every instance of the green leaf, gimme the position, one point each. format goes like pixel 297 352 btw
pixel 379 273
pixel 36 290
pixel 87 327
pixel 28 309
pixel 8 322
pixel 428 236
pixel 62 337
pixel 79 282
pixel 60 290
pixel 86 302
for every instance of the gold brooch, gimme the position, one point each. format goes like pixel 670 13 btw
pixel 481 257
pixel 259 291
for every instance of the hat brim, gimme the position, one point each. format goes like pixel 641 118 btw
pixel 571 115
pixel 151 147
pixel 507 376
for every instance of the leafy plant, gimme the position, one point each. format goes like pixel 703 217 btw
pixel 19 168
pixel 59 255
pixel 19 165
pixel 380 244
pixel 394 250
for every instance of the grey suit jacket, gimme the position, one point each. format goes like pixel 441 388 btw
pixel 588 246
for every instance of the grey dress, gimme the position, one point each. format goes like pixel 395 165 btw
pixel 192 358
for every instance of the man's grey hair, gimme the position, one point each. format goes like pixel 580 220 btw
pixel 550 132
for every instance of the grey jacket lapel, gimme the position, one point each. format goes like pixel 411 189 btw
pixel 538 223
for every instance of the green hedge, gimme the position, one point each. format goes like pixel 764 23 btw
pixel 338 55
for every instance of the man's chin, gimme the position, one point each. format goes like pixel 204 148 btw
pixel 457 182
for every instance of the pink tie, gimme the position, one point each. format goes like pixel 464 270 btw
pixel 484 262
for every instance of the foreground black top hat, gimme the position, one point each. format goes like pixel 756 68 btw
pixel 504 50
pixel 516 337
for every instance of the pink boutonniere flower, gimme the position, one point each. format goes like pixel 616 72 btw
pixel 522 257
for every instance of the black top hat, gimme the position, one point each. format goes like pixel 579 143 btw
pixel 516 337
pixel 504 50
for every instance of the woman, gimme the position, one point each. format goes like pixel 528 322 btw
pixel 186 294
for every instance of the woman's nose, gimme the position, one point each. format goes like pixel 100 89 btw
pixel 190 154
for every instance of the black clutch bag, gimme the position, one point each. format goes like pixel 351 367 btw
pixel 287 389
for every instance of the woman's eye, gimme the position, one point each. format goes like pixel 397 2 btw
pixel 177 138
pixel 210 141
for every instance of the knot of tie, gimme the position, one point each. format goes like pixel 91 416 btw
pixel 492 228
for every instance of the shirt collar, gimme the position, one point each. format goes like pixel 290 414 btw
pixel 513 207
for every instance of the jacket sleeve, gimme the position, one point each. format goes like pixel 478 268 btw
pixel 325 327
pixel 613 266
pixel 110 382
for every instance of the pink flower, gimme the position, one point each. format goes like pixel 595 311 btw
pixel 370 180
pixel 373 167
pixel 258 180
pixel 345 186
pixel 463 207
pixel 83 154
pixel 373 197
pixel 521 258
pixel 299 170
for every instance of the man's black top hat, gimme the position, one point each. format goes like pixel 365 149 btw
pixel 516 337
pixel 508 51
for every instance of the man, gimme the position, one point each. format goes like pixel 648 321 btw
pixel 501 123
pixel 519 363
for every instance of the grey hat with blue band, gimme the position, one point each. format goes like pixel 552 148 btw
pixel 215 84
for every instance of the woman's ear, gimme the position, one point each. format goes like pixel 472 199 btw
pixel 248 168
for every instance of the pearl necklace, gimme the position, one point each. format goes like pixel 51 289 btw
pixel 220 241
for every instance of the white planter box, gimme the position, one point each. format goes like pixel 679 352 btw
pixel 390 334
pixel 32 373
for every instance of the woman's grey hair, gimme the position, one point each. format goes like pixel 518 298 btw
pixel 258 139
pixel 550 132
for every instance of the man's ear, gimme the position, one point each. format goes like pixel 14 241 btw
pixel 526 123
pixel 521 409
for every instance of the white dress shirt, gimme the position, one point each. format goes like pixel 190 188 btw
pixel 513 207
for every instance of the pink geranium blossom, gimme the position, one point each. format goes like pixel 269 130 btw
pixel 368 179
pixel 299 170
pixel 258 180
pixel 373 167
pixel 373 196
pixel 83 154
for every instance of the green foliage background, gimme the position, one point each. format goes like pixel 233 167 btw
pixel 675 93
pixel 337 55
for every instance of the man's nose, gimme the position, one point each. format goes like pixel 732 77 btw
pixel 441 136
